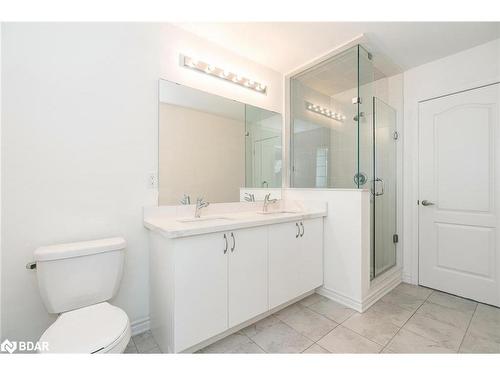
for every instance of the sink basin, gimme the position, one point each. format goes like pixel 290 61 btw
pixel 279 212
pixel 201 219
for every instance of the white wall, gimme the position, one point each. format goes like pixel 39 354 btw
pixel 79 118
pixel 468 69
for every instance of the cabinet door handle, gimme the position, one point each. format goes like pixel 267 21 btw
pixel 225 239
pixel 234 242
pixel 303 230
pixel 298 230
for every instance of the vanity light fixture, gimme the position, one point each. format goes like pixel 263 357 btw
pixel 324 112
pixel 212 70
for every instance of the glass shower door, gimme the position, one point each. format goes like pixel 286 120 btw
pixel 383 189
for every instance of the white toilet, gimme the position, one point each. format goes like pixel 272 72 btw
pixel 76 280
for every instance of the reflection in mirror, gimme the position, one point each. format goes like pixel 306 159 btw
pixel 210 146
pixel 262 148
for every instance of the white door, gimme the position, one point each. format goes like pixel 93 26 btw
pixel 310 255
pixel 284 249
pixel 200 289
pixel 459 193
pixel 248 286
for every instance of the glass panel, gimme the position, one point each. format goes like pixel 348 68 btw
pixel 323 124
pixel 262 148
pixel 341 137
pixel 384 187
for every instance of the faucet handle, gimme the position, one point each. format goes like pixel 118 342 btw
pixel 186 200
pixel 201 202
pixel 249 197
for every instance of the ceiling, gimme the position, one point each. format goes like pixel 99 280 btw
pixel 284 46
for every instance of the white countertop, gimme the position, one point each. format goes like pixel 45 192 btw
pixel 172 226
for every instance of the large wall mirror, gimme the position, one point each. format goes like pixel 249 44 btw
pixel 210 146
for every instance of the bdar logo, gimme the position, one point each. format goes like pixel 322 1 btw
pixel 8 346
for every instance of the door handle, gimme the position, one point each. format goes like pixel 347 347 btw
pixel 225 239
pixel 303 230
pixel 375 193
pixel 427 203
pixel 298 230
pixel 234 242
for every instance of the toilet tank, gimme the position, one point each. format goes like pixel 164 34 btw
pixel 79 274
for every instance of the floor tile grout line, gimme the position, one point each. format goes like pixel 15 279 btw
pixel 289 326
pixel 340 325
pixel 251 338
pixel 314 341
pixel 327 317
pixel 468 326
pixel 407 320
pixel 448 324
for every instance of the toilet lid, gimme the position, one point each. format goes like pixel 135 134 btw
pixel 86 330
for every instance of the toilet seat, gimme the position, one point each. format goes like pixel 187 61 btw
pixel 101 328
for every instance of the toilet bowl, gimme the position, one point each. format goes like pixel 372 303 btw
pixel 101 328
pixel 76 280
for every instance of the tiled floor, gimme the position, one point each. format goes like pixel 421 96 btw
pixel 410 319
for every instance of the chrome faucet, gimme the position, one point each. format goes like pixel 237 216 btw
pixel 249 197
pixel 200 203
pixel 267 201
pixel 186 200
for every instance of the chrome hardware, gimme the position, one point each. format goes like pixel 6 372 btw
pixel 356 118
pixel 427 203
pixel 185 200
pixel 298 230
pixel 225 239
pixel 249 197
pixel 395 136
pixel 200 203
pixel 360 179
pixel 303 230
pixel 267 201
pixel 395 238
pixel 264 184
pixel 234 242
pixel 356 100
pixel 31 266
pixel 374 189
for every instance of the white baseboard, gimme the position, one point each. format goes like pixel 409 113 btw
pixel 407 278
pixel 340 298
pixel 378 289
pixel 139 326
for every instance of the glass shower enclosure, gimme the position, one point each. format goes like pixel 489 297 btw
pixel 343 137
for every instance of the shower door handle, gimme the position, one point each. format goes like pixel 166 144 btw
pixel 377 194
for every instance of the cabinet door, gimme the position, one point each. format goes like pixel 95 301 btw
pixel 311 255
pixel 248 285
pixel 284 249
pixel 200 289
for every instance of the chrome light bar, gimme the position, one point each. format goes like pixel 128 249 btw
pixel 324 112
pixel 215 71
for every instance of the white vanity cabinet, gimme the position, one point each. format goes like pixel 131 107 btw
pixel 205 284
pixel 295 259
pixel 247 274
pixel 200 289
